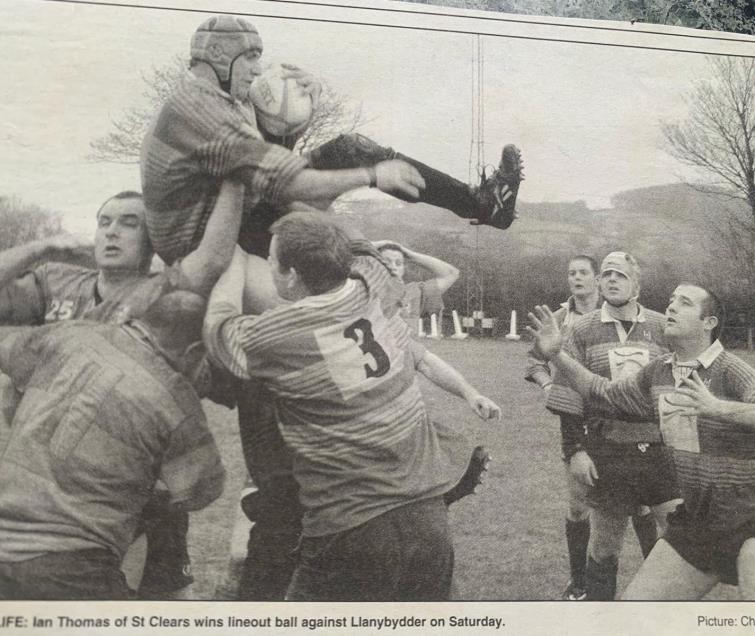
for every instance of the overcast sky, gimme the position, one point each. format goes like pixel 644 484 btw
pixel 585 116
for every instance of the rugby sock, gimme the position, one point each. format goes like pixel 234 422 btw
pixel 600 579
pixel 647 532
pixel 577 538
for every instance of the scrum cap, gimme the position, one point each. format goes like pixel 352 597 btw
pixel 221 39
pixel 624 264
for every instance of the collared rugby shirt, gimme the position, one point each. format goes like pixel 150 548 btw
pixel 714 461
pixel 600 344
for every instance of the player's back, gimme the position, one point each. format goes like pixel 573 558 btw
pixel 96 423
pixel 349 405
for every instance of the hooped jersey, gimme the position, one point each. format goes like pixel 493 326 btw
pixel 342 369
pixel 601 345
pixel 55 291
pixel 714 460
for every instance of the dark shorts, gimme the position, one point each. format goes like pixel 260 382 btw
pixel 67 576
pixel 710 550
pixel 631 475
pixel 404 554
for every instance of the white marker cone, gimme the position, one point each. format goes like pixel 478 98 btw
pixel 458 333
pixel 512 334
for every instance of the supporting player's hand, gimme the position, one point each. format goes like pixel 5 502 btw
pixel 545 331
pixel 306 80
pixel 582 468
pixel 484 407
pixel 701 400
pixel 68 245
pixel 398 177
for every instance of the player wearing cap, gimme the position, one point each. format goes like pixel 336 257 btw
pixel 119 288
pixel 372 469
pixel 204 133
pixel 703 400
pixel 620 467
pixel 583 281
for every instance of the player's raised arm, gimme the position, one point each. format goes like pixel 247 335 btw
pixel 392 177
pixel 16 260
pixel 548 340
pixel 209 260
pixel 439 372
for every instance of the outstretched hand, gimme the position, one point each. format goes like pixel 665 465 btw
pixel 545 331
pixel 398 177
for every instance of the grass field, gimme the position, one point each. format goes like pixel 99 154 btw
pixel 509 537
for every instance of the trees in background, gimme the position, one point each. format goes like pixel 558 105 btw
pixel 335 114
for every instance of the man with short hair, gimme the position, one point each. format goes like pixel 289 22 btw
pixel 371 468
pixel 620 468
pixel 423 297
pixel 703 400
pixel 583 281
pixel 119 289
pixel 204 133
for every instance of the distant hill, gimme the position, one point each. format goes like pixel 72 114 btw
pixel 667 227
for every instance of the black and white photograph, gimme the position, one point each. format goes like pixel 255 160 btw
pixel 360 304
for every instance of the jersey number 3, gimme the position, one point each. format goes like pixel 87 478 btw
pixel 361 333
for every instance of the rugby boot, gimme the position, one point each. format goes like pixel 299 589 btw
pixel 496 195
pixel 472 477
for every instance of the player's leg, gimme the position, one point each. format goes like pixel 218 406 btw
pixel 472 477
pixel 493 203
pixel 654 479
pixel 746 570
pixel 91 574
pixel 665 575
pixel 607 529
pixel 167 567
pixel 404 554
pixel 274 507
pixel 577 528
pixel 643 522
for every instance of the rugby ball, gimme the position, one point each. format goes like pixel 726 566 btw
pixel 282 106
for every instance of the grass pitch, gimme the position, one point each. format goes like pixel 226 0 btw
pixel 509 536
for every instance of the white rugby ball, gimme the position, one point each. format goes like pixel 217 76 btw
pixel 282 106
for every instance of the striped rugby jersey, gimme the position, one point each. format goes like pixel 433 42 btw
pixel 57 291
pixel 48 293
pixel 341 367
pixel 600 344
pixel 200 136
pixel 103 417
pixel 714 461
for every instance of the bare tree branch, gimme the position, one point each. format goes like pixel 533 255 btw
pixel 334 115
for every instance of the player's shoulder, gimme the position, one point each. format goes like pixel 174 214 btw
pixel 655 318
pixel 67 279
pixel 66 271
pixel 586 323
pixel 734 365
